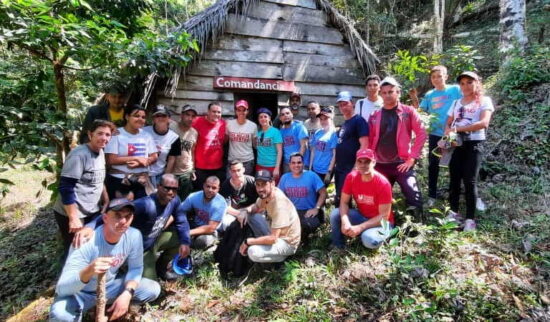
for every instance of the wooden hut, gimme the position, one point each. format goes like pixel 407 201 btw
pixel 263 50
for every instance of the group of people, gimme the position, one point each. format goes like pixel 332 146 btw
pixel 144 195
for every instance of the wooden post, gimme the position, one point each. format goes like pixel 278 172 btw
pixel 101 299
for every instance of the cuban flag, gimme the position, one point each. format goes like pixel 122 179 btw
pixel 137 150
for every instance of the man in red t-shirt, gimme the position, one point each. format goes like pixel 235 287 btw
pixel 209 148
pixel 372 194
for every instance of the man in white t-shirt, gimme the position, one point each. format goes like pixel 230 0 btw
pixel 167 142
pixel 372 102
pixel 242 138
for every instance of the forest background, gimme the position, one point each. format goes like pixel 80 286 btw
pixel 58 57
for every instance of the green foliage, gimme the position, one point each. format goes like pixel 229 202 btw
pixel 412 70
pixel 524 71
pixel 57 56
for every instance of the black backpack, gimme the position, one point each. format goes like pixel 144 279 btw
pixel 230 261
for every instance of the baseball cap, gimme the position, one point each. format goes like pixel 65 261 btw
pixel 242 103
pixel 188 107
pixel 344 96
pixel 182 265
pixel 365 153
pixel 295 95
pixel 264 110
pixel 161 109
pixel 120 203
pixel 264 175
pixel 472 75
pixel 388 80
pixel 326 111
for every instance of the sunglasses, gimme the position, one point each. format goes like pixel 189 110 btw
pixel 262 137
pixel 175 189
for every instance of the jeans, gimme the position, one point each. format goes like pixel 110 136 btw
pixel 275 253
pixel 71 308
pixel 66 236
pixel 371 238
pixel 309 225
pixel 167 244
pixel 185 185
pixel 464 167
pixel 433 166
pixel 203 241
pixel 114 184
pixel 339 178
pixel 406 180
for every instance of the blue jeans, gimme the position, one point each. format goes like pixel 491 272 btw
pixel 71 308
pixel 371 238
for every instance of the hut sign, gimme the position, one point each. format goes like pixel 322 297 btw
pixel 254 83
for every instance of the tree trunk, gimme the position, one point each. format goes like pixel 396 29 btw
pixel 101 299
pixel 512 26
pixel 63 146
pixel 439 21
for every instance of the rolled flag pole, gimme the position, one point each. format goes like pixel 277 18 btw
pixel 101 299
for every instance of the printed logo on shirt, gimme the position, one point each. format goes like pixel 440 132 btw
pixel 341 134
pixel 202 215
pixel 186 145
pixel 364 199
pixel 439 101
pixel 296 192
pixel 239 199
pixel 137 149
pixel 321 146
pixel 266 142
pixel 289 140
pixel 118 259
pixel 239 137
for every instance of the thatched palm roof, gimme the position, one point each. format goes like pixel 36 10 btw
pixel 210 23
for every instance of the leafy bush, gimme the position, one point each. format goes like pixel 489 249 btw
pixel 524 71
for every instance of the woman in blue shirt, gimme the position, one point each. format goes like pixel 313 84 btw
pixel 323 145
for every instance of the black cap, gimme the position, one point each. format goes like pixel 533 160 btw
pixel 188 107
pixel 264 110
pixel 264 175
pixel 119 203
pixel 326 111
pixel 161 109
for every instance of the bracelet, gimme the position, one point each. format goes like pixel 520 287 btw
pixel 130 290
pixel 246 242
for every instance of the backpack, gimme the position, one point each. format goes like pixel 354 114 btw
pixel 227 255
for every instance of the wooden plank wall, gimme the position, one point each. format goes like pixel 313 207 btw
pixel 278 39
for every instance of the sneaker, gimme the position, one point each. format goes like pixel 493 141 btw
pixel 430 203
pixel 480 205
pixel 454 216
pixel 469 225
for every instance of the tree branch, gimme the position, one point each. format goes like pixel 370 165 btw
pixel 35 52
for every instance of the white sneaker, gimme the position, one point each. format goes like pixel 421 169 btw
pixel 454 216
pixel 469 225
pixel 480 205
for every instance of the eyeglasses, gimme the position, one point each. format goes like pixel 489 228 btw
pixel 461 112
pixel 175 189
pixel 262 137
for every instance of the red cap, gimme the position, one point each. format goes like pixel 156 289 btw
pixel 365 153
pixel 242 103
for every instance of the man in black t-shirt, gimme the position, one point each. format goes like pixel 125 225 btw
pixel 239 190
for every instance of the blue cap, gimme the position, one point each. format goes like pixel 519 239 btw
pixel 182 266
pixel 264 110
pixel 343 96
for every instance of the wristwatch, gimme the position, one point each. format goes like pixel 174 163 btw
pixel 130 290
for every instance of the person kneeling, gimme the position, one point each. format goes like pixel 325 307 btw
pixel 112 244
pixel 372 193
pixel 271 244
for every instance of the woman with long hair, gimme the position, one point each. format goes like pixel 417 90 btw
pixel 323 145
pixel 269 144
pixel 469 119
pixel 129 155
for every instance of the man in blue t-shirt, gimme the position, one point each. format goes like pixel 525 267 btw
pixel 436 103
pixel 154 215
pixel 294 135
pixel 353 135
pixel 204 210
pixel 112 245
pixel 307 192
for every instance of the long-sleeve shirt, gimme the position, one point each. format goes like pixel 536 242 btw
pixel 150 217
pixel 129 248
